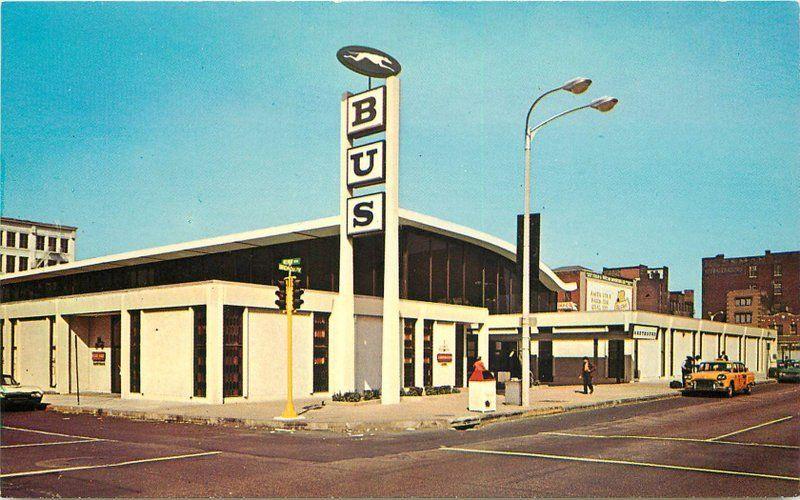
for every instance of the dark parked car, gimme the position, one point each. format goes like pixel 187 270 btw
pixel 12 393
pixel 774 371
pixel 790 372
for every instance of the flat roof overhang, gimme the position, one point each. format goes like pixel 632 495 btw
pixel 595 321
pixel 317 228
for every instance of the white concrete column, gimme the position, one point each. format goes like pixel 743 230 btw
pixel 125 351
pixel 342 340
pixel 392 352
pixel 214 307
pixel 419 352
pixel 61 337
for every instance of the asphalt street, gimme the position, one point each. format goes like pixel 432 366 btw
pixel 689 446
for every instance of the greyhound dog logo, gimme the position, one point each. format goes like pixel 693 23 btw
pixel 377 60
pixel 368 61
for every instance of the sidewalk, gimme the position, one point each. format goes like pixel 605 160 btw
pixel 444 411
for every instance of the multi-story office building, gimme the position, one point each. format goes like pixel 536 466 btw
pixel 761 290
pixel 26 244
pixel 777 275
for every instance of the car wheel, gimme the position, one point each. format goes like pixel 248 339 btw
pixel 729 391
pixel 748 389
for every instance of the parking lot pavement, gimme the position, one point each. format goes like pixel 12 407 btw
pixel 745 446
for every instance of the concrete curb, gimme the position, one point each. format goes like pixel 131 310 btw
pixel 368 427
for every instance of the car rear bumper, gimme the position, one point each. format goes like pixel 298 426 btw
pixel 789 377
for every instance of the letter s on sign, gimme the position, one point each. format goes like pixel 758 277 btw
pixel 362 213
pixel 365 214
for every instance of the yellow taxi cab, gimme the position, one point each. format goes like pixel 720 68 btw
pixel 728 377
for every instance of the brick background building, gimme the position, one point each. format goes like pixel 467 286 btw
pixel 777 275
pixel 652 286
pixel 746 307
pixel 681 303
pixel 772 281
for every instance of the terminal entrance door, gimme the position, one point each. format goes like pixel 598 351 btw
pixel 321 352
pixel 460 340
pixel 232 318
pixel 116 367
pixel 616 359
pixel 409 324
pixel 545 360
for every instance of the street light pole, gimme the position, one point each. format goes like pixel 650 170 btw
pixel 575 86
pixel 602 104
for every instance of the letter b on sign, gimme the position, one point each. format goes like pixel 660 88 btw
pixel 366 113
pixel 365 214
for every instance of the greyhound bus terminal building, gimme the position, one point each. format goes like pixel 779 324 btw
pixel 198 321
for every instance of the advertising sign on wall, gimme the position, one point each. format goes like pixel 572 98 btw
pixel 645 332
pixel 604 293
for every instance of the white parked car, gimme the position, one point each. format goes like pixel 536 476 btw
pixel 13 393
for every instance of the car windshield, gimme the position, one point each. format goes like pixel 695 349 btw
pixel 8 380
pixel 715 367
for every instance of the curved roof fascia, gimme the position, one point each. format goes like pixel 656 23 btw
pixel 316 228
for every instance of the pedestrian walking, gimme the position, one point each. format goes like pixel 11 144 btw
pixel 723 356
pixel 587 369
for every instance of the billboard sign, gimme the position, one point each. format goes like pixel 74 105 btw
pixel 604 293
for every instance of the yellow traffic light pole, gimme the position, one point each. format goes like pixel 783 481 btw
pixel 289 412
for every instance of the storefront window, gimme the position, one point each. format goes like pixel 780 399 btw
pixel 455 253
pixel 438 270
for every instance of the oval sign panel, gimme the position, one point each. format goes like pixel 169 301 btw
pixel 368 61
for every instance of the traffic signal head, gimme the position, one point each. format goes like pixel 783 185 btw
pixel 297 294
pixel 281 294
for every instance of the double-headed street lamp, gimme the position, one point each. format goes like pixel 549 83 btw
pixel 603 104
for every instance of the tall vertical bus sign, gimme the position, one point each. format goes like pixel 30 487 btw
pixel 371 163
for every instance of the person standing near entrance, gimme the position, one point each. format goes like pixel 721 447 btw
pixel 687 368
pixel 478 370
pixel 587 369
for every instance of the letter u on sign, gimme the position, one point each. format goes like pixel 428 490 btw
pixel 365 214
pixel 366 113
pixel 366 165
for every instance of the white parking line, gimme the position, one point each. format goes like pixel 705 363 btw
pixel 51 433
pixel 777 420
pixel 106 466
pixel 669 438
pixel 622 462
pixel 27 445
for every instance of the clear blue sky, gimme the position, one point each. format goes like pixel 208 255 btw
pixel 147 124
